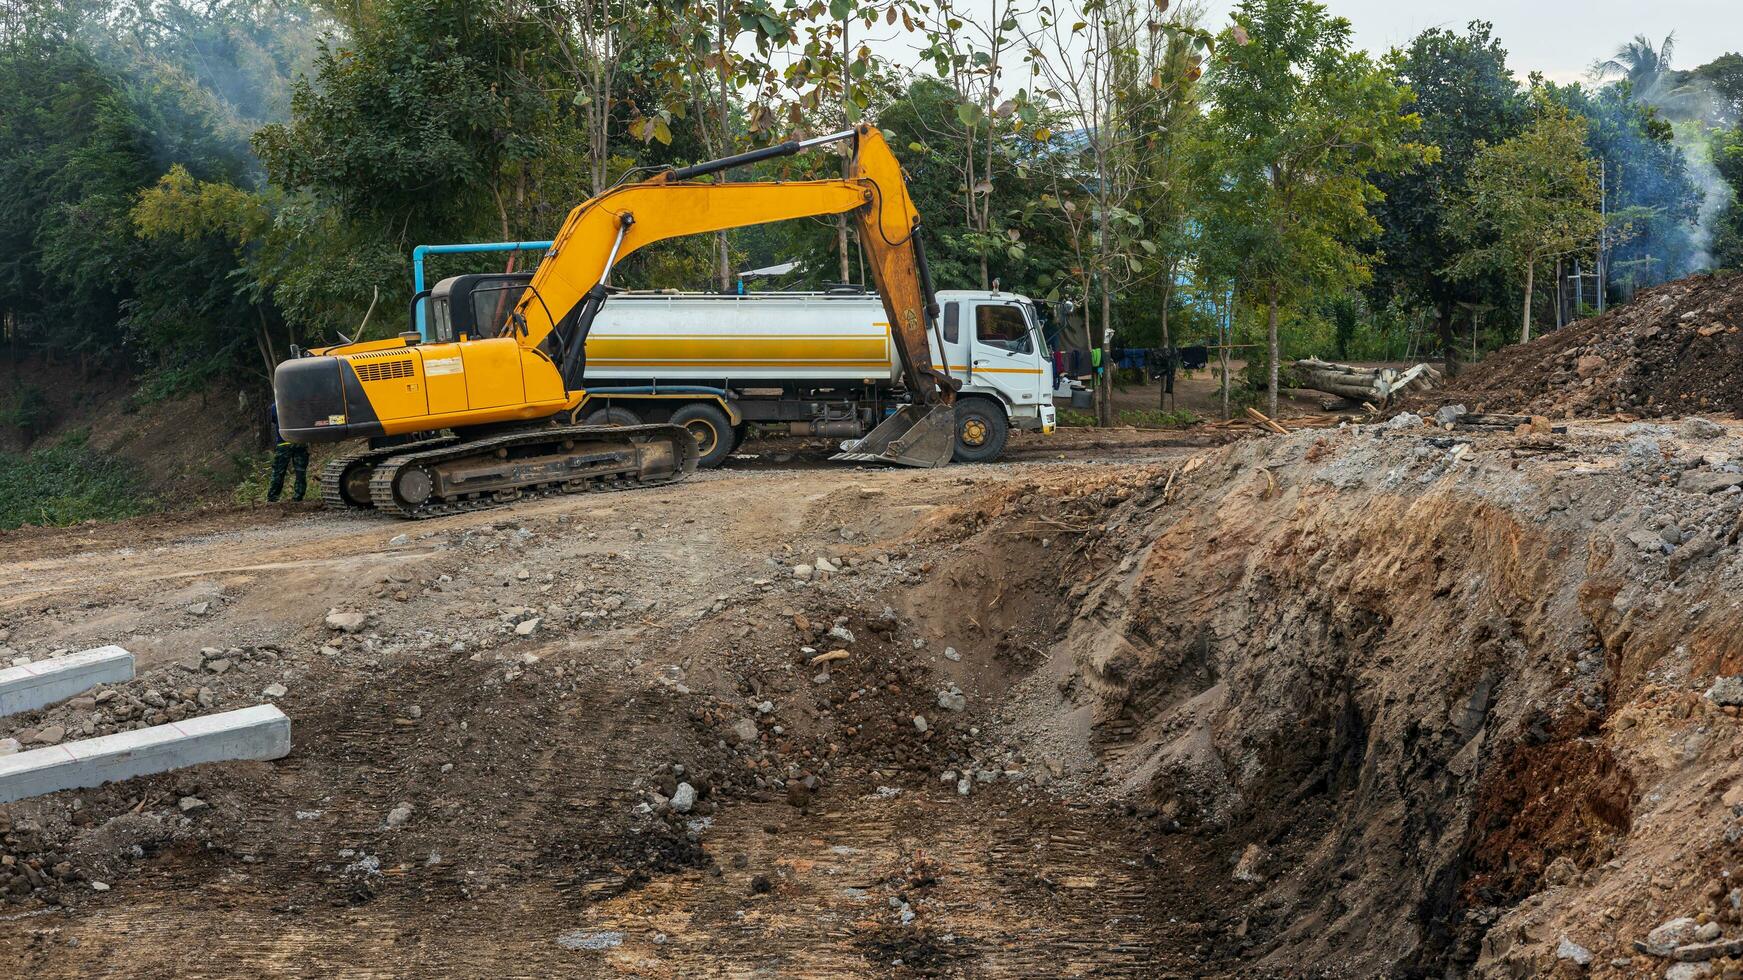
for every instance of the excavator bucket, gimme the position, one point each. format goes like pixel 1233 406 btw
pixel 916 435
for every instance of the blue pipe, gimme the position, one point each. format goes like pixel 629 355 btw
pixel 423 250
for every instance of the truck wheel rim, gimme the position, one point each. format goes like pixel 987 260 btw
pixel 973 432
pixel 706 437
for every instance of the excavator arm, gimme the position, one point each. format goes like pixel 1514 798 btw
pixel 570 285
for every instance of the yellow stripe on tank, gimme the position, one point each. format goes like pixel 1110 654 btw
pixel 763 349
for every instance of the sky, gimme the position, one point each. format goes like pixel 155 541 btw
pixel 1561 38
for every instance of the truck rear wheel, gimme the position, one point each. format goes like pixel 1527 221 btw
pixel 981 431
pixel 712 429
pixel 612 416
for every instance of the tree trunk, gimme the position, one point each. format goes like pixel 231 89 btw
pixel 1167 372
pixel 1525 314
pixel 1105 403
pixel 725 135
pixel 1449 345
pixel 1271 346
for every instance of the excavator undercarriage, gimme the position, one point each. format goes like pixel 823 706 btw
pixel 434 477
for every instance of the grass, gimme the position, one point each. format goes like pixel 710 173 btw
pixel 1149 418
pixel 67 483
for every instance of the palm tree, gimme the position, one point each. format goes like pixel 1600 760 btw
pixel 1638 61
pixel 1648 72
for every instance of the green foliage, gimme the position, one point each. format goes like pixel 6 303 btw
pixel 1529 197
pixel 24 410
pixel 1155 418
pixel 66 484
pixel 1466 97
pixel 1727 155
pixel 1301 124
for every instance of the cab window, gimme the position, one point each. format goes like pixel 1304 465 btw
pixel 1003 326
pixel 952 333
pixel 441 327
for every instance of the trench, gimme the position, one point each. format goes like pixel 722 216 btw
pixel 1381 712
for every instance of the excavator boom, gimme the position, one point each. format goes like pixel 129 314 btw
pixel 569 287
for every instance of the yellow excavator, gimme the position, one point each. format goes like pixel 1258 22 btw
pixel 491 415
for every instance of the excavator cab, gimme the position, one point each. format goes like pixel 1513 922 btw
pixel 478 305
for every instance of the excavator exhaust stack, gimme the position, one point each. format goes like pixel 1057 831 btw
pixel 916 435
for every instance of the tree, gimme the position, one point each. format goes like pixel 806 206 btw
pixel 1531 197
pixel 970 51
pixel 1299 126
pixel 1639 61
pixel 1727 153
pixel 1466 96
pixel 1089 59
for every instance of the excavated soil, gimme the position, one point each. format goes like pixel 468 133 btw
pixel 1376 701
pixel 1675 349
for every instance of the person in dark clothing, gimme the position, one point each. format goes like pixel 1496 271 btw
pixel 286 455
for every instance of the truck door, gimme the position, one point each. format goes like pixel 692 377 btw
pixel 1005 354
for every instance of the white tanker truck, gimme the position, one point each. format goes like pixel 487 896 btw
pixel 819 364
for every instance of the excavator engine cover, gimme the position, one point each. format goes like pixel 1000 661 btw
pixel 916 435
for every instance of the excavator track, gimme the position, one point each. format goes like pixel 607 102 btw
pixel 332 478
pixel 502 469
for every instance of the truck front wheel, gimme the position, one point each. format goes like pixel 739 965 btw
pixel 981 430
pixel 712 429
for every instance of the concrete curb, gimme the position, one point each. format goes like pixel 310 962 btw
pixel 36 685
pixel 260 732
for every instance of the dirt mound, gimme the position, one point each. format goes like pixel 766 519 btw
pixel 1677 349
pixel 1375 673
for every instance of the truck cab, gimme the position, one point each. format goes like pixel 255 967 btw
pixel 993 344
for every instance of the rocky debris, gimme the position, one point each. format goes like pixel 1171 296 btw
pixel 1727 691
pixel 347 622
pixel 1663 940
pixel 744 731
pixel 8 746
pixel 274 691
pixel 1249 867
pixel 1695 427
pixel 189 804
pixel 589 940
pixel 399 816
pixel 527 627
pixel 683 798
pixel 952 700
pixel 841 634
pixel 1573 952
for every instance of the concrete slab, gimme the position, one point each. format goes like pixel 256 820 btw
pixel 39 684
pixel 260 732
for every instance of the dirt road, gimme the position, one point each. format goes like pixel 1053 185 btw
pixel 538 761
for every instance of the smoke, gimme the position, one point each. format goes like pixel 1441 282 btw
pixel 231 68
pixel 1695 137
